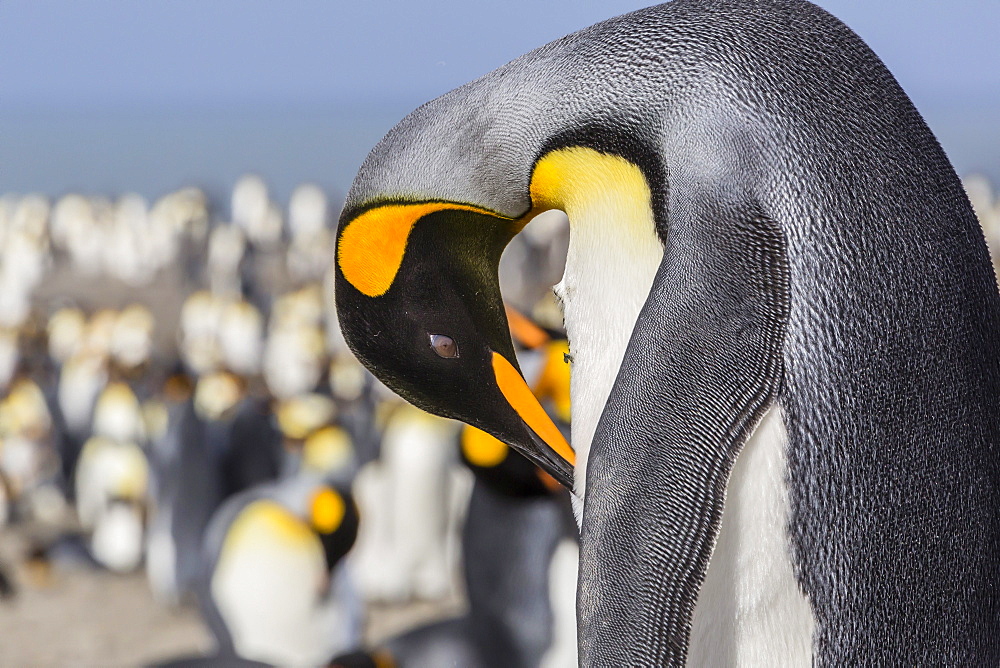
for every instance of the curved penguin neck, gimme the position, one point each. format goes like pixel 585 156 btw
pixel 613 255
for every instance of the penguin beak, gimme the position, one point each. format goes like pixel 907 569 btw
pixel 547 445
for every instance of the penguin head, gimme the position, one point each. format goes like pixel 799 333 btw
pixel 419 301
pixel 430 213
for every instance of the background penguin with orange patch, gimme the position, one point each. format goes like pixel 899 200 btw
pixel 274 587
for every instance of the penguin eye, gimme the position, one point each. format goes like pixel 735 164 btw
pixel 444 346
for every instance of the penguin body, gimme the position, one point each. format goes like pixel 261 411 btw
pixel 185 492
pixel 767 243
pixel 81 380
pixel 274 589
pixel 508 545
pixel 203 458
pixel 408 499
pixel 112 481
pixel 29 464
pixel 352 389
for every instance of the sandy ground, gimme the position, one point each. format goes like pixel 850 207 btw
pixel 84 617
pixel 81 616
pixel 70 613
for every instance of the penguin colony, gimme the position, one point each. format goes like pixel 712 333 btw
pixel 204 425
pixel 782 318
pixel 782 333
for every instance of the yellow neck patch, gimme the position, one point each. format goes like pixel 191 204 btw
pixel 482 449
pixel 371 247
pixel 267 521
pixel 570 179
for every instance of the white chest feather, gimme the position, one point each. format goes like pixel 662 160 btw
pixel 605 284
pixel 750 609
pixel 612 258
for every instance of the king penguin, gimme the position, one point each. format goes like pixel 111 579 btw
pixel 275 588
pixel 784 331
pixel 219 441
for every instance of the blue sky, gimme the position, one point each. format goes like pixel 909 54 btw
pixel 70 70
pixel 189 53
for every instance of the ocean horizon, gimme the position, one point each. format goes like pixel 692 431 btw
pixel 154 152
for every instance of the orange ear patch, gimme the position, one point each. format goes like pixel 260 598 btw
pixel 371 247
pixel 327 510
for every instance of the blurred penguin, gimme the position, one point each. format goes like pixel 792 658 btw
pixel 131 347
pixel 301 419
pixel 184 492
pixel 82 378
pixel 275 588
pixel 352 389
pixel 240 338
pixel 85 234
pixel 111 476
pixel 410 498
pixel 118 415
pixel 310 249
pixel 254 212
pixel 220 440
pixel 28 460
pixel 295 355
pixel 178 226
pixel 24 259
pixel 200 321
pixel 126 250
pixel 66 330
pixel 295 370
pixel 112 479
pixel 68 212
pixel 218 443
pixel 227 245
pixel 519 555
